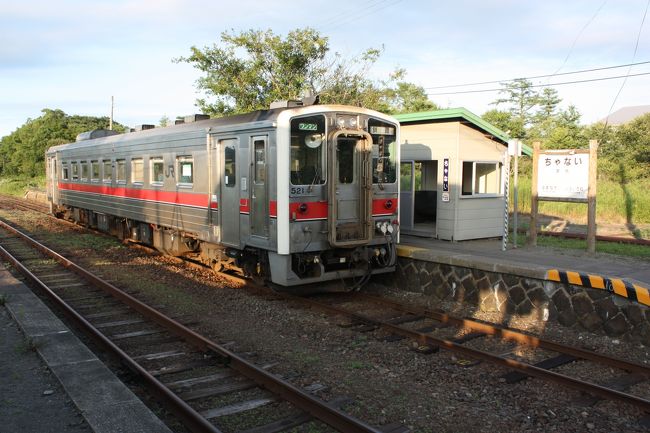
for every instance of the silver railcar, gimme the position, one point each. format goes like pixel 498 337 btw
pixel 293 195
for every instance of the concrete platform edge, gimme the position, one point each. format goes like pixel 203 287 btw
pixel 95 390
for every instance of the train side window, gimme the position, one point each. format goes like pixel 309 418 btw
pixel 75 170
pixel 120 173
pixel 94 170
pixel 157 175
pixel 65 172
pixel 230 164
pixel 108 170
pixel 84 170
pixel 185 167
pixel 137 170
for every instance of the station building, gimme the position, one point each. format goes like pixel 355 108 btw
pixel 452 175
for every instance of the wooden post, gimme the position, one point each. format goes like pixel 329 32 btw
pixel 591 196
pixel 532 239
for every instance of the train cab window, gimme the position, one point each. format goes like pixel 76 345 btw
pixel 230 165
pixel 137 170
pixel 108 170
pixel 84 170
pixel 120 172
pixel 75 170
pixel 185 167
pixel 65 171
pixel 157 175
pixel 384 151
pixel 308 150
pixel 94 171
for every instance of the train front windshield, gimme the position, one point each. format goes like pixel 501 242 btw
pixel 384 151
pixel 308 150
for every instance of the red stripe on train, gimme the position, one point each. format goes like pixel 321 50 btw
pixel 174 197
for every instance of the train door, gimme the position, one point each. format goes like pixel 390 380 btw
pixel 228 191
pixel 259 207
pixel 52 181
pixel 350 189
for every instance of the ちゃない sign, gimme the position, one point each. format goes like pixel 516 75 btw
pixel 563 174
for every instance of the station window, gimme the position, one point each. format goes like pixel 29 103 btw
pixel 185 167
pixel 120 172
pixel 65 172
pixel 157 175
pixel 137 170
pixel 94 170
pixel 481 178
pixel 75 170
pixel 84 170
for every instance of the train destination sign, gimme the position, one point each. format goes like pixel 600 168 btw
pixel 563 174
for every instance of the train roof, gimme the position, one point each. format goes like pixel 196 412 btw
pixel 259 117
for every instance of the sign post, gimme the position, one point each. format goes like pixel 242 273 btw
pixel 568 176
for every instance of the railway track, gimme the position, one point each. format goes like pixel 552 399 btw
pixel 475 341
pixel 209 387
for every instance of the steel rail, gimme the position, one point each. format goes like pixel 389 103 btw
pixel 522 367
pixel 301 399
pixel 512 335
pixel 193 420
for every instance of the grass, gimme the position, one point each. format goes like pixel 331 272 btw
pixel 615 203
pixel 27 345
pixel 620 249
pixel 18 186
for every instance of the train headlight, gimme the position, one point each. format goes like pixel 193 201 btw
pixel 352 123
pixel 340 122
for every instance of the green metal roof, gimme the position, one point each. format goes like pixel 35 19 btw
pixel 460 113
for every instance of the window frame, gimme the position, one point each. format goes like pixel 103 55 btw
pixel 295 148
pixel 85 171
pixel 65 173
pixel 474 194
pixel 122 163
pixel 95 175
pixel 180 160
pixel 152 165
pixel 74 171
pixel 134 180
pixel 106 179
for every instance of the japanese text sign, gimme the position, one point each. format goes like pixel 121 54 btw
pixel 563 174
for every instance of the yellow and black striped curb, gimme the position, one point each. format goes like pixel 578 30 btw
pixel 618 286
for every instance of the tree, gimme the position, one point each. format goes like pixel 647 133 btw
pixel 23 151
pixel 521 99
pixel 249 70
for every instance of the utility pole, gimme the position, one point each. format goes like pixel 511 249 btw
pixel 110 122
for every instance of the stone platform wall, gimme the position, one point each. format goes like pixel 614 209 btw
pixel 572 306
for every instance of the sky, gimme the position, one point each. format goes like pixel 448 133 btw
pixel 76 55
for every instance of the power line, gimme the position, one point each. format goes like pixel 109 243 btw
pixel 636 47
pixel 349 17
pixel 578 36
pixel 542 85
pixel 538 76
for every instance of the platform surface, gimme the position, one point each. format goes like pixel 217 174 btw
pixel 105 403
pixel 533 262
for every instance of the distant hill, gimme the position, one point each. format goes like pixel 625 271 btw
pixel 626 114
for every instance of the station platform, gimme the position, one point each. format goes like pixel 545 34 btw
pixel 625 276
pixel 104 402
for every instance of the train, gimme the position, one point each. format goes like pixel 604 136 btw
pixel 297 195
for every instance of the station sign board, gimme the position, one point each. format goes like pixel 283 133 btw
pixel 563 174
